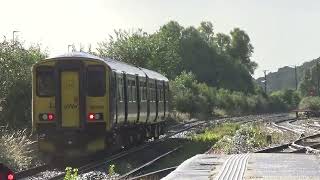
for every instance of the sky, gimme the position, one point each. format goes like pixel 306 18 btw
pixel 283 32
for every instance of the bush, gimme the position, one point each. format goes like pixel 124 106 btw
pixel 212 135
pixel 16 149
pixel 201 100
pixel 312 103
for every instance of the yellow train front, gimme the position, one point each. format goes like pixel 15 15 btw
pixel 83 104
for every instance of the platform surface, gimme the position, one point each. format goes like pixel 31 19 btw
pixel 257 166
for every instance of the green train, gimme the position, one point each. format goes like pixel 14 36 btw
pixel 83 104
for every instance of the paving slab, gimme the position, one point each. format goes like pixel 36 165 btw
pixel 253 166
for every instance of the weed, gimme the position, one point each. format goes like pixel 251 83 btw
pixel 71 174
pixel 212 135
pixel 111 170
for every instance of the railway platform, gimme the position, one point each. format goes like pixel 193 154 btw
pixel 252 166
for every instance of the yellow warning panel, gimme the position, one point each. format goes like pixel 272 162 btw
pixel 70 99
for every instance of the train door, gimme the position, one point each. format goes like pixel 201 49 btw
pixel 70 110
pixel 69 102
pixel 120 99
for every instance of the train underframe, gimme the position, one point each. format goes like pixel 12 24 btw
pixel 69 143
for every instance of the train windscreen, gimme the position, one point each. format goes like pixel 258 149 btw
pixel 45 82
pixel 96 81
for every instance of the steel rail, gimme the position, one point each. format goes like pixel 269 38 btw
pixel 31 171
pixel 148 163
pixel 155 174
pixel 93 165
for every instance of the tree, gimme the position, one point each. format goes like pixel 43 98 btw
pixel 15 80
pixel 166 50
pixel 206 30
pixel 223 43
pixel 242 49
pixel 133 48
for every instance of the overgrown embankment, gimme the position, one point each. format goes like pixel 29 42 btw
pixel 235 138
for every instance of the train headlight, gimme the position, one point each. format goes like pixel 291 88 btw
pixel 95 116
pixel 50 117
pixel 44 116
pixel 91 116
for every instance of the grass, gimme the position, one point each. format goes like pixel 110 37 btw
pixel 17 150
pixel 249 137
pixel 212 135
pixel 235 138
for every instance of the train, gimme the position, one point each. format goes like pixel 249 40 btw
pixel 83 104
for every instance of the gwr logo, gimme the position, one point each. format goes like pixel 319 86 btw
pixel 70 106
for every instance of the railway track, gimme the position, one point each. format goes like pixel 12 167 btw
pixel 174 130
pixel 302 145
pixel 140 168
pixel 32 171
pixel 155 174
pixel 90 166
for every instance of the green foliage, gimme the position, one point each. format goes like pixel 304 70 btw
pixel 129 47
pixel 15 82
pixel 246 138
pixel 219 60
pixel 308 85
pixel 212 135
pixel 199 99
pixel 312 103
pixel 17 150
pixel 71 174
pixel 111 170
pixel 284 100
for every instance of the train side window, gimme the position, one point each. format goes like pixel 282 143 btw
pixel 160 95
pixel 120 87
pixel 45 81
pixel 134 94
pixel 128 90
pixel 141 91
pixel 144 91
pixel 96 81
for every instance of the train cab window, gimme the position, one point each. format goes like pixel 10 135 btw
pixel 96 81
pixel 45 81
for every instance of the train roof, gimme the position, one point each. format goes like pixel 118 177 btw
pixel 154 75
pixel 115 65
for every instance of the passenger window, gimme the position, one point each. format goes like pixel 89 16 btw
pixel 119 90
pixel 45 81
pixel 96 81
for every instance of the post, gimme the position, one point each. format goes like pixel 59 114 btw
pixel 265 81
pixel 295 76
pixel 69 47
pixel 318 78
pixel 13 32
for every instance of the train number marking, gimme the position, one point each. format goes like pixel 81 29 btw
pixel 70 106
